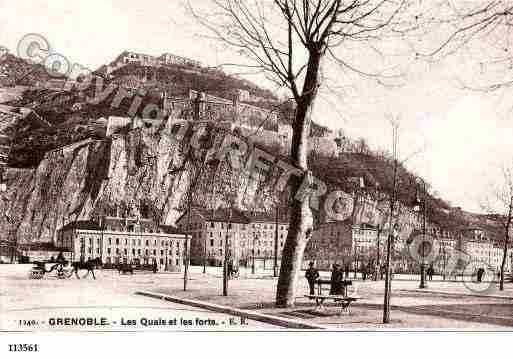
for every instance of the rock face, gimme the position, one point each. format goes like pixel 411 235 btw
pixel 142 172
pixel 138 173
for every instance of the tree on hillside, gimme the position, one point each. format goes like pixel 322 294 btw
pixel 499 207
pixel 481 31
pixel 287 40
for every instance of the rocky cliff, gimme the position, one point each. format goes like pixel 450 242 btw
pixel 143 172
pixel 137 173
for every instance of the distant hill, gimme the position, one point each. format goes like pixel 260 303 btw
pixel 16 71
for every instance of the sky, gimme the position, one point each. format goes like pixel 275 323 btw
pixel 460 137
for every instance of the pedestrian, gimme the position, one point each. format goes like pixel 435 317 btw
pixel 311 276
pixel 335 280
pixel 430 272
pixel 154 266
pixel 346 269
pixel 230 269
pixel 478 274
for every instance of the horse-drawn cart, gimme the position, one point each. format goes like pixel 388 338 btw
pixel 39 270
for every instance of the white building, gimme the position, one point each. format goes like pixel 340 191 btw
pixel 124 240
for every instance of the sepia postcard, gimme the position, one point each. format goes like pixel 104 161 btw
pixel 255 166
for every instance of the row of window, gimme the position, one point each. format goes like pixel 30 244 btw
pixel 199 225
pixel 211 234
pixel 125 260
pixel 125 251
pixel 219 252
pixel 243 243
pixel 139 242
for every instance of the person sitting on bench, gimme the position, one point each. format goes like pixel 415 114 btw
pixel 311 276
pixel 336 277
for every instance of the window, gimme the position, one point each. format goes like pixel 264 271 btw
pixel 138 242
pixel 161 252
pixel 147 243
pixel 110 241
pixel 108 250
pixel 133 251
pixel 125 251
pixel 139 252
pixel 211 242
pixel 90 241
pixel 154 252
pixel 117 241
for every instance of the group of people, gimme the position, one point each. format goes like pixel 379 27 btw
pixel 338 273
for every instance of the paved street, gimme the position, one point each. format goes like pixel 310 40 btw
pixel 411 308
pixel 111 296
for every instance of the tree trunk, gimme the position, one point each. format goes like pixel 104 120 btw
pixel 504 256
pixel 301 215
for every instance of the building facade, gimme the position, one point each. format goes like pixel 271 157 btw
pixel 124 240
pixel 250 235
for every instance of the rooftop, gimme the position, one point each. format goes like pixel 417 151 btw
pixel 237 216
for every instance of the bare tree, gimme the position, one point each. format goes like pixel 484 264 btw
pixel 287 41
pixel 500 208
pixel 481 30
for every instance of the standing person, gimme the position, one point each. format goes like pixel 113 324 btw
pixel 347 271
pixel 311 276
pixel 335 280
pixel 230 268
pixel 364 271
pixel 430 272
pixel 154 268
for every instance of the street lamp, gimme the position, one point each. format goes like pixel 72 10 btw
pixel 255 235
pixel 392 236
pixel 418 206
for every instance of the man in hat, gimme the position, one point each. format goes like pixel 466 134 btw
pixel 311 276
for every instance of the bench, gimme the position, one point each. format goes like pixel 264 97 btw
pixel 344 301
pixel 343 284
pixel 126 268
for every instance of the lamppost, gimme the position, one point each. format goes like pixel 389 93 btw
pixel 392 236
pixel 255 235
pixel 417 207
pixel 377 269
pixel 275 264
pixel 226 254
